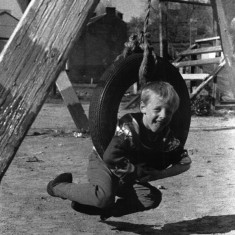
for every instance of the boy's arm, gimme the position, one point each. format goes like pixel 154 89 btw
pixel 175 169
pixel 116 158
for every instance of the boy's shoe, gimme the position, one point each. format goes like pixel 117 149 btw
pixel 75 206
pixel 62 178
pixel 104 217
pixel 87 209
pixel 106 213
pixel 91 210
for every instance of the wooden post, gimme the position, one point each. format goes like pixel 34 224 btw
pixel 31 62
pixel 163 40
pixel 207 80
pixel 72 102
pixel 214 94
pixel 221 10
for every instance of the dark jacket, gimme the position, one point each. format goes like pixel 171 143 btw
pixel 132 145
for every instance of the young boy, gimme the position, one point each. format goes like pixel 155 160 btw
pixel 143 149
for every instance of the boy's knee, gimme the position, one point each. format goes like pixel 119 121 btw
pixel 104 199
pixel 105 202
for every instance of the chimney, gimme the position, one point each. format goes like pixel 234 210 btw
pixel 120 15
pixel 111 11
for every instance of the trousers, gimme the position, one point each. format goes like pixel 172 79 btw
pixel 103 191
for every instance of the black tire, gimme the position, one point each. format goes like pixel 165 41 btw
pixel 113 84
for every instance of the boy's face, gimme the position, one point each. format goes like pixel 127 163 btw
pixel 157 113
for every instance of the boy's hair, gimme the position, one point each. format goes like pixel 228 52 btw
pixel 165 91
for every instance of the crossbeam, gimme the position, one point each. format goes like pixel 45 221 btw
pixel 201 50
pixel 221 8
pixel 215 60
pixel 188 2
pixel 207 39
pixel 207 80
pixel 194 76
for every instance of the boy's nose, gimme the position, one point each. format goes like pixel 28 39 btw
pixel 162 114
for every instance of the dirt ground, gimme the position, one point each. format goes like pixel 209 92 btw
pixel 200 201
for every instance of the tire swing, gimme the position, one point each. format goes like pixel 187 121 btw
pixel 137 67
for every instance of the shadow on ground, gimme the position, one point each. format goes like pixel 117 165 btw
pixel 205 225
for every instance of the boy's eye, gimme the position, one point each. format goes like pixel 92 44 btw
pixel 157 109
pixel 167 111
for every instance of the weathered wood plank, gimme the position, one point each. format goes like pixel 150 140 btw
pixel 194 76
pixel 207 39
pixel 72 102
pixel 202 50
pixel 67 92
pixel 178 59
pixel 163 37
pixel 197 62
pixel 188 2
pixel 221 8
pixel 207 80
pixel 31 62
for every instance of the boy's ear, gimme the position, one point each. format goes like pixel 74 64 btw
pixel 142 107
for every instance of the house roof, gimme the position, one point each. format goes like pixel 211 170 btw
pixel 7 24
pixel 109 11
pixel 96 18
pixel 4 11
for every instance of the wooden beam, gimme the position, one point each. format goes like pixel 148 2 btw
pixel 201 50
pixel 207 39
pixel 132 101
pixel 197 62
pixel 163 37
pixel 194 76
pixel 188 2
pixel 84 85
pixel 207 80
pixel 178 59
pixel 67 92
pixel 227 34
pixel 31 62
pixel 72 102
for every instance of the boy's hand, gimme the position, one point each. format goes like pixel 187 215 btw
pixel 176 169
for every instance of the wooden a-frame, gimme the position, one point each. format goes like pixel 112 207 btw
pixel 67 92
pixel 35 55
pixel 31 62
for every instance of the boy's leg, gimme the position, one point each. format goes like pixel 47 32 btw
pixel 99 192
pixel 139 197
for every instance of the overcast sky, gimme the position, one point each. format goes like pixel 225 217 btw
pixel 13 5
pixel 129 8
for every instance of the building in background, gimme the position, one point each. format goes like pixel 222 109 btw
pixel 101 42
pixel 7 25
